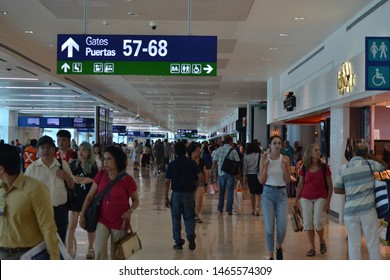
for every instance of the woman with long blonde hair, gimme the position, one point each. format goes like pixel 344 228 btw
pixel 315 190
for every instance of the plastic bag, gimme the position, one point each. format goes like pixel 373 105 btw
pixel 239 196
pixel 212 188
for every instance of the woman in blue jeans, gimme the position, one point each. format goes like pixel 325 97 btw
pixel 275 175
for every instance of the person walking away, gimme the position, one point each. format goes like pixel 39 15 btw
pixel 182 178
pixel 275 175
pixel 194 150
pixel 226 181
pixel 47 169
pixel 25 204
pixel 83 170
pixel 356 181
pixel 315 190
pixel 251 167
pixel 115 206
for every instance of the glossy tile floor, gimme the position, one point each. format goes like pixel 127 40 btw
pixel 219 237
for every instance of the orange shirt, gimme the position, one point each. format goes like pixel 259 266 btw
pixel 29 155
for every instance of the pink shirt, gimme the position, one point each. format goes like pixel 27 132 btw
pixel 314 184
pixel 116 201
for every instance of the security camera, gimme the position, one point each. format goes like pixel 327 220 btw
pixel 152 25
pixel 137 117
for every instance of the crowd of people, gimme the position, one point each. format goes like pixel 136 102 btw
pixel 53 172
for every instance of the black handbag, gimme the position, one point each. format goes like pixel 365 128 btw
pixel 230 166
pixel 92 212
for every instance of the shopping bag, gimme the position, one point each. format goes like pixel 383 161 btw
pixel 382 194
pixel 212 188
pixel 239 196
pixel 296 220
pixel 127 245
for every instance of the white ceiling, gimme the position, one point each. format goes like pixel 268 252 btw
pixel 250 50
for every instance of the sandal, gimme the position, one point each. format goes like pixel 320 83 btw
pixel 90 255
pixel 323 248
pixel 198 220
pixel 311 253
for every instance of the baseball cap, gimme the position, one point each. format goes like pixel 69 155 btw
pixel 46 140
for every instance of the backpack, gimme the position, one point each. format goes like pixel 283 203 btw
pixel 323 167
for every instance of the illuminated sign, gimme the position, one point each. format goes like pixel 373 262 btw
pixel 137 55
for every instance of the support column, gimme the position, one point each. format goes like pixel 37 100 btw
pixel 339 132
pixel 9 125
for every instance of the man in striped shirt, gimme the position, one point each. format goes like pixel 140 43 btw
pixel 356 181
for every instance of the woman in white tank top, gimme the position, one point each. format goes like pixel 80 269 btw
pixel 275 175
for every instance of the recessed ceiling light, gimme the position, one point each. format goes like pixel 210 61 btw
pixel 273 49
pixel 299 18
pixel 133 14
pixel 28 31
pixel 4 12
pixel 283 35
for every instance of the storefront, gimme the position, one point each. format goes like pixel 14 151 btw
pixel 331 78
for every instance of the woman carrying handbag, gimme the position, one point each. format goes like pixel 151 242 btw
pixel 315 190
pixel 114 206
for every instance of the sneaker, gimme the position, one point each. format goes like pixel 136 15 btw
pixel 279 254
pixel 179 245
pixel 191 240
pixel 230 213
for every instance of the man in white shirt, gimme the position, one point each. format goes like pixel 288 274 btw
pixel 48 170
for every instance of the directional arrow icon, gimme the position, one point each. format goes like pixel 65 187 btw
pixel 65 67
pixel 208 68
pixel 70 44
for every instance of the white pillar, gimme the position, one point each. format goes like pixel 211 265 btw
pixel 339 132
pixel 9 125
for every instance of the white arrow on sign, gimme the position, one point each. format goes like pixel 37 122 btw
pixel 70 44
pixel 65 67
pixel 208 69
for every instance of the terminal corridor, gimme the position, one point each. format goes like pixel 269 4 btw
pixel 219 237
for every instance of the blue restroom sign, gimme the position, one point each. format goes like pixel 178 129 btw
pixel 377 63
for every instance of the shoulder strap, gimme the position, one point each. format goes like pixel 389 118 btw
pixel 60 162
pixel 100 196
pixel 229 152
pixel 304 170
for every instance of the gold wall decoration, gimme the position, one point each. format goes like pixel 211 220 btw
pixel 345 78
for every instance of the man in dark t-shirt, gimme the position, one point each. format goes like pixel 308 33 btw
pixel 182 178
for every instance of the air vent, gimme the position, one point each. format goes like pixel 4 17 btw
pixel 307 59
pixel 366 14
pixel 57 84
pixel 76 83
pixel 28 71
pixel 123 107
pixel 25 57
pixel 105 98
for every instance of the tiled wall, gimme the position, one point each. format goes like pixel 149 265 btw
pixel 339 132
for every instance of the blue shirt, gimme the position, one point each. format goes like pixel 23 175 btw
pixel 356 179
pixel 183 172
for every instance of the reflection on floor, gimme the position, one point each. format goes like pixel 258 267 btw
pixel 219 237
